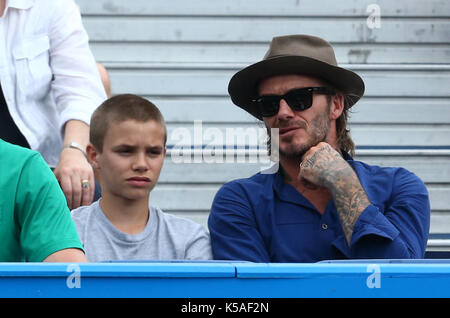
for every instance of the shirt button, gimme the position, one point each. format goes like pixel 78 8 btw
pixel 324 226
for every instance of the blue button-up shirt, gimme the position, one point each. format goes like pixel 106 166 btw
pixel 264 219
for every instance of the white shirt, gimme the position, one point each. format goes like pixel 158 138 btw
pixel 47 71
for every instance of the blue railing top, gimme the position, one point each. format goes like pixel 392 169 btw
pixel 216 269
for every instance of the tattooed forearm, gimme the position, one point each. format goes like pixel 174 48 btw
pixel 350 200
pixel 324 166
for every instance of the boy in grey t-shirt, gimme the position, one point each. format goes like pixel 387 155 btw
pixel 165 237
pixel 127 150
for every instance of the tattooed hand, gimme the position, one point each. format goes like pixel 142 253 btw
pixel 323 166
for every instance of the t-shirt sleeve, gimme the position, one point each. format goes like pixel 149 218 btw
pixel 42 212
pixel 199 246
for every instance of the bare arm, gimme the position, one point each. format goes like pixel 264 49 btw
pixel 350 200
pixel 77 90
pixel 68 255
pixel 73 166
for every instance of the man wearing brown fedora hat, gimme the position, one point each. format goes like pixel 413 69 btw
pixel 320 204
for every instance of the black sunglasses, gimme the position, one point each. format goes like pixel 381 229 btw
pixel 298 99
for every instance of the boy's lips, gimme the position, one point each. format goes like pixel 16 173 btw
pixel 139 181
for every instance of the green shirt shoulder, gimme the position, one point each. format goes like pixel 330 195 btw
pixel 34 218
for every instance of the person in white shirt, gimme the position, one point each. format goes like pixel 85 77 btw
pixel 49 88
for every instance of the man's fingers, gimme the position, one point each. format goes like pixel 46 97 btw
pixel 66 186
pixel 76 191
pixel 88 191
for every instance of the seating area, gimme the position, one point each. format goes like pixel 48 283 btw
pixel 181 55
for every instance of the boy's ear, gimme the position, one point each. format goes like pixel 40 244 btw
pixel 92 154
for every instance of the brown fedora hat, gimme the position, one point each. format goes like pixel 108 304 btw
pixel 294 54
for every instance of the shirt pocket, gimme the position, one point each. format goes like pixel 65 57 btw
pixel 32 62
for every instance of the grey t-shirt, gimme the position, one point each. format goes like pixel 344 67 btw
pixel 165 237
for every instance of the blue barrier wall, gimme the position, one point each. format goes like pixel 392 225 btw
pixel 356 279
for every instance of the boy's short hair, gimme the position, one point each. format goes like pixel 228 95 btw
pixel 118 109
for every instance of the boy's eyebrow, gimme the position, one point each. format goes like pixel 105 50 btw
pixel 123 146
pixel 127 146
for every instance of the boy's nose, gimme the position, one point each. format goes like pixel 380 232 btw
pixel 140 162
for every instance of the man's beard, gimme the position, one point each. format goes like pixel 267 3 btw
pixel 320 127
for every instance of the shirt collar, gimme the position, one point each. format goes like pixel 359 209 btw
pixel 346 156
pixel 20 4
pixel 285 191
